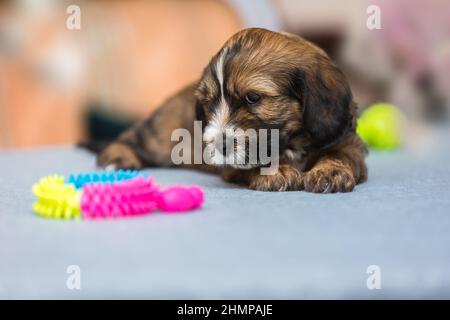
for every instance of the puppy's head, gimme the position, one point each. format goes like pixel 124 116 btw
pixel 267 80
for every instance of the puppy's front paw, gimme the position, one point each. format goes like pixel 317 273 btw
pixel 329 178
pixel 286 178
pixel 118 156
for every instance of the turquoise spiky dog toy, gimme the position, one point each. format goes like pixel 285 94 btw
pixel 79 180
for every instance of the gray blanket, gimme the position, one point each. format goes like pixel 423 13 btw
pixel 242 243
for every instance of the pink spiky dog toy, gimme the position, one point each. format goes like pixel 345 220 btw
pixel 137 196
pixel 127 198
pixel 180 198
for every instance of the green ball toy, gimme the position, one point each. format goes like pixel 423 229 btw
pixel 381 126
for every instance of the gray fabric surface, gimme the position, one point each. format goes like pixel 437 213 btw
pixel 242 244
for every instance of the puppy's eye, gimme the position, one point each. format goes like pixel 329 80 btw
pixel 252 98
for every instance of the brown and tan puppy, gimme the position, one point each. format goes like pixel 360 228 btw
pixel 261 80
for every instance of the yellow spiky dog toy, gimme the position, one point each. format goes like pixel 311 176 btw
pixel 55 199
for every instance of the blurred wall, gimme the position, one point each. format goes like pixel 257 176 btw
pixel 127 57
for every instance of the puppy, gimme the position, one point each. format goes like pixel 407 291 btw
pixel 261 80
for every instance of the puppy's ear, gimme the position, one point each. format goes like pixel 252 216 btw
pixel 326 101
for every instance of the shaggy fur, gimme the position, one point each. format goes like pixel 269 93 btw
pixel 298 90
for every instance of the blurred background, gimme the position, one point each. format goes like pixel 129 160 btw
pixel 63 86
